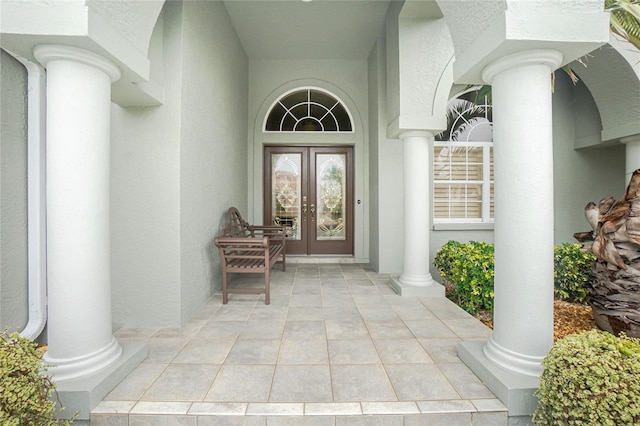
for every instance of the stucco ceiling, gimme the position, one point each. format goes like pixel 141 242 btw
pixel 319 29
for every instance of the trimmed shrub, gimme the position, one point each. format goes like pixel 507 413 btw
pixel 572 272
pixel 591 378
pixel 469 267
pixel 25 391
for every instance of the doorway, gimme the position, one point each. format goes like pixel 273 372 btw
pixel 309 189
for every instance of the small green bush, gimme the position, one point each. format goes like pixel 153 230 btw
pixel 591 378
pixel 24 390
pixel 469 267
pixel 572 272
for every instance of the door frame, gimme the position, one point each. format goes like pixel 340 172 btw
pixel 308 244
pixel 259 108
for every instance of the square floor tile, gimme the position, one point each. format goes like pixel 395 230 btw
pixel 303 351
pixel 353 351
pixel 304 330
pixel 346 329
pixel 205 351
pixel 464 381
pixel 402 351
pixel 305 313
pixel 137 382
pixel 388 329
pixel 361 383
pixel 164 350
pixel 221 329
pixel 429 328
pixel 182 382
pixel 254 352
pixel 441 349
pixel 242 383
pixel 420 381
pixel 265 329
pixel 301 383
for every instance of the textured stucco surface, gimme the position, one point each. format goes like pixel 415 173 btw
pixel 177 168
pixel 133 19
pixel 13 193
pixel 145 199
pixel 470 19
pixel 614 84
pixel 213 149
pixel 581 175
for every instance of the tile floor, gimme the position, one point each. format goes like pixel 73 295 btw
pixel 336 347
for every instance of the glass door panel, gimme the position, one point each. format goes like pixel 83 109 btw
pixel 286 192
pixel 310 191
pixel 330 197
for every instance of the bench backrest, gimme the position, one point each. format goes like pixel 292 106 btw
pixel 236 226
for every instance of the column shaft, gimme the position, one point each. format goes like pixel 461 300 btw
pixel 523 164
pixel 416 280
pixel 632 155
pixel 80 336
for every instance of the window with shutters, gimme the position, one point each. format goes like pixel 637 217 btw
pixel 463 163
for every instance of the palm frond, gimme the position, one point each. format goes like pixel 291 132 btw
pixel 460 116
pixel 625 19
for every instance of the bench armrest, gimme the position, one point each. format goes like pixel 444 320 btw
pixel 241 242
pixel 271 231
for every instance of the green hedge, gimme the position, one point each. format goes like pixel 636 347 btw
pixel 25 392
pixel 591 378
pixel 470 267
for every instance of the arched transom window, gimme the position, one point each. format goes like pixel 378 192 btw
pixel 308 110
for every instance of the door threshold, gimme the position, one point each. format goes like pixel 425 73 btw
pixel 321 258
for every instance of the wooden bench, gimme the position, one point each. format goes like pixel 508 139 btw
pixel 248 249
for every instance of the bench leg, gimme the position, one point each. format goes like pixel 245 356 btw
pixel 225 294
pixel 284 260
pixel 267 289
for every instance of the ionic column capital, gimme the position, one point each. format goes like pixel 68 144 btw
pixel 405 134
pixel 551 58
pixel 46 53
pixel 630 139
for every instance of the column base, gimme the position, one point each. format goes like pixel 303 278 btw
pixel 512 361
pixel 515 390
pixel 400 286
pixel 67 369
pixel 83 394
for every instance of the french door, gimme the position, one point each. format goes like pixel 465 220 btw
pixel 310 191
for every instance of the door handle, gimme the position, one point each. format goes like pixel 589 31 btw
pixel 313 212
pixel 304 212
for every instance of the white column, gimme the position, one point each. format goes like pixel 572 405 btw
pixel 523 164
pixel 632 155
pixel 415 279
pixel 80 336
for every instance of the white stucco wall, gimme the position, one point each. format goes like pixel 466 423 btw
pixel 377 89
pixel 133 19
pixel 176 170
pixel 581 175
pixel 213 153
pixel 145 198
pixel 13 193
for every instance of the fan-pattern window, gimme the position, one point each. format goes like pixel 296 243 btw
pixel 308 110
pixel 463 164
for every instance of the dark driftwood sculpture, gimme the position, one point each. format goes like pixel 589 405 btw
pixel 615 288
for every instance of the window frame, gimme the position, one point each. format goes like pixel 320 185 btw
pixel 485 184
pixel 308 102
